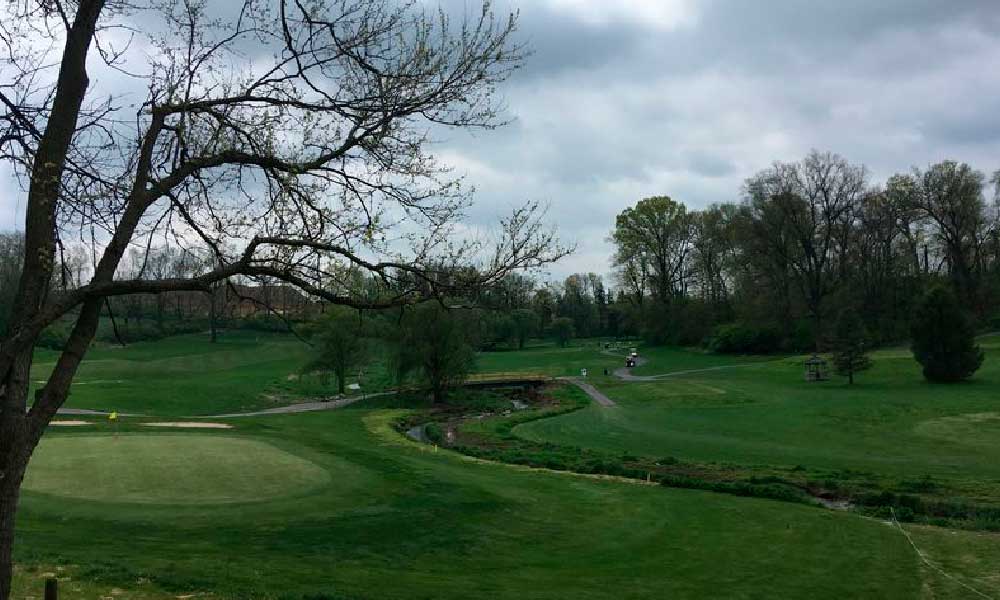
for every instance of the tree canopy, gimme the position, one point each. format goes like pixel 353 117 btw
pixel 436 346
pixel 287 141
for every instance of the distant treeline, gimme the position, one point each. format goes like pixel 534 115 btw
pixel 772 271
pixel 807 240
pixel 766 273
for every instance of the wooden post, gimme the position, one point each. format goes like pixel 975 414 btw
pixel 51 589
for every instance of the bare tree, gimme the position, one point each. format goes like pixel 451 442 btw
pixel 949 196
pixel 807 210
pixel 270 132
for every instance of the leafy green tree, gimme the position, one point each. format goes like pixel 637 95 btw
pixel 577 302
pixel 526 323
pixel 849 343
pixel 340 344
pixel 944 340
pixel 434 344
pixel 652 240
pixel 494 328
pixel 563 330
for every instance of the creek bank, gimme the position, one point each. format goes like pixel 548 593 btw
pixel 488 433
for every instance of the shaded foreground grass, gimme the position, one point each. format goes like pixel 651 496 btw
pixel 397 520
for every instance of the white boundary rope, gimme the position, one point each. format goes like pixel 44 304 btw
pixel 930 564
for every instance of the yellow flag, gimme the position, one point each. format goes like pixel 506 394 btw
pixel 113 416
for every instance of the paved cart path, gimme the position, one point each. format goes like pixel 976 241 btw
pixel 301 407
pixel 625 374
pixel 595 394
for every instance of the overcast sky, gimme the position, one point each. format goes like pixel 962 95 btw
pixel 626 99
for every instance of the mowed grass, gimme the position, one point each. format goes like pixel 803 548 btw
pixel 548 359
pixel 183 375
pixel 169 469
pixel 339 505
pixel 890 422
pixel 393 519
pixel 671 360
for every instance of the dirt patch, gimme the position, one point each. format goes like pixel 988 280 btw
pixel 189 425
pixel 70 423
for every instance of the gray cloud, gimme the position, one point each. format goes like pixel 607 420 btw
pixel 627 99
pixel 611 111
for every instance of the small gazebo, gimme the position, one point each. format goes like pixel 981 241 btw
pixel 816 368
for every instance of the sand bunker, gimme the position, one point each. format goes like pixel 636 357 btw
pixel 70 423
pixel 190 425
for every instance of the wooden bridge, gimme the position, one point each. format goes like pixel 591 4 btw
pixel 506 379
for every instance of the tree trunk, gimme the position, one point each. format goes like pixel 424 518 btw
pixel 437 387
pixel 340 370
pixel 17 435
pixel 211 315
pixel 15 448
pixel 9 492
pixel 159 313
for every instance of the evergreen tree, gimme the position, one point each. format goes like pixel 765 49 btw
pixel 849 345
pixel 944 338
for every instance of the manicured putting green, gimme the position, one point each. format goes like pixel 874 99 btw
pixel 169 469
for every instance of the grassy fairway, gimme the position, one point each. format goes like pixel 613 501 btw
pixel 671 360
pixel 548 359
pixel 183 375
pixel 890 423
pixel 395 520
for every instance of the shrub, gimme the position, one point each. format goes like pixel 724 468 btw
pixel 744 338
pixel 901 513
pixel 54 336
pixel 434 433
pixel 801 336
pixel 925 485
pixel 147 332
